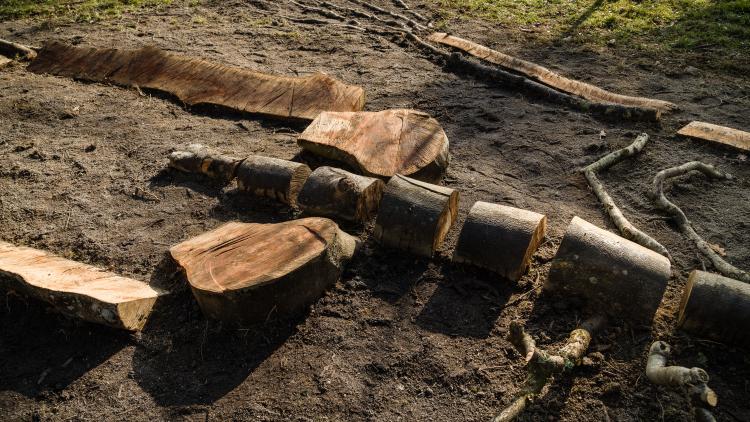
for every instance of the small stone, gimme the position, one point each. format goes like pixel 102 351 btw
pixel 90 148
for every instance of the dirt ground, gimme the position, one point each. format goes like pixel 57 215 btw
pixel 83 174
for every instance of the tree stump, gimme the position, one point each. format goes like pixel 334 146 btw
pixel 272 177
pixel 76 289
pixel 199 159
pixel 415 216
pixel 500 238
pixel 716 307
pixel 244 273
pixel 332 192
pixel 616 276
pixel 381 144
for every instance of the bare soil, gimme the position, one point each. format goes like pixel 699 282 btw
pixel 83 174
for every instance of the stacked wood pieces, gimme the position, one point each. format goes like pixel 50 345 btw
pixel 616 276
pixel 336 193
pixel 415 216
pixel 716 133
pixel 196 81
pixel 244 273
pixel 500 238
pixel 716 307
pixel 77 289
pixel 381 144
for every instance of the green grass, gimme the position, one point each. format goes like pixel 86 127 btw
pixel 694 26
pixel 78 10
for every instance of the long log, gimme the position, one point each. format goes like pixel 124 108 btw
pixel 716 133
pixel 196 81
pixel 415 216
pixel 500 238
pixel 11 50
pixel 381 144
pixel 76 289
pixel 245 273
pixel 336 193
pixel 716 307
pixel 617 276
pixel 197 158
pixel 272 177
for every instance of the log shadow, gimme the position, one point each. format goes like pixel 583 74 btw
pixel 181 358
pixel 466 303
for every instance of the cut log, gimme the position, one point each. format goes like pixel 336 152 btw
pixel 332 192
pixel 11 50
pixel 272 177
pixel 77 289
pixel 381 144
pixel 244 273
pixel 415 216
pixel 500 238
pixel 199 159
pixel 716 307
pixel 716 133
pixel 548 77
pixel 196 81
pixel 616 276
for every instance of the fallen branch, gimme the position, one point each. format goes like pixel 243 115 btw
pixel 682 221
pixel 12 50
pixel 693 380
pixel 628 230
pixel 542 365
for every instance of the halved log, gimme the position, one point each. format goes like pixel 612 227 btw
pixel 272 177
pixel 196 158
pixel 415 216
pixel 548 77
pixel 76 289
pixel 243 273
pixel 500 238
pixel 196 81
pixel 11 50
pixel 332 192
pixel 381 144
pixel 616 276
pixel 716 133
pixel 716 307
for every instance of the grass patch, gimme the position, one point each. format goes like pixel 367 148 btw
pixel 77 10
pixel 719 27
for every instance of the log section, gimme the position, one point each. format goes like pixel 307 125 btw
pixel 272 177
pixel 11 50
pixel 196 158
pixel 332 192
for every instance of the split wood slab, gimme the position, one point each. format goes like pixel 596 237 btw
pixel 415 216
pixel 548 77
pixel 616 276
pixel 336 193
pixel 381 144
pixel 716 133
pixel 500 238
pixel 197 81
pixel 77 289
pixel 244 273
pixel 716 307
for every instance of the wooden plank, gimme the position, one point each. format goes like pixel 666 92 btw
pixel 716 133
pixel 76 289
pixel 197 81
pixel 240 273
pixel 546 76
pixel 381 144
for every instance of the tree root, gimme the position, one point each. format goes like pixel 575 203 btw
pixel 628 230
pixel 684 224
pixel 542 365
pixel 693 380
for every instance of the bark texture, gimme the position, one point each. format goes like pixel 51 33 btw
pixel 197 158
pixel 716 133
pixel 272 177
pixel 332 192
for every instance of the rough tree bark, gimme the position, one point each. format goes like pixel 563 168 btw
pixel 332 192
pixel 272 177
pixel 196 158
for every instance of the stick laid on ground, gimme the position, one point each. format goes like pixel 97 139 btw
pixel 11 50
pixel 197 158
pixel 332 192
pixel 661 201
pixel 272 177
pixel 628 230
pixel 717 308
pixel 415 216
pixel 244 273
pixel 548 77
pixel 616 276
pixel 500 238
pixel 716 133
pixel 76 289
